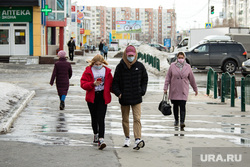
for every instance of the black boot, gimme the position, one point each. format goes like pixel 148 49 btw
pixel 62 105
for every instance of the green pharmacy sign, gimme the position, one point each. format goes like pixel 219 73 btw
pixel 15 14
pixel 46 10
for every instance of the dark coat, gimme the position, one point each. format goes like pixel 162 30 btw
pixel 101 46
pixel 131 83
pixel 71 45
pixel 62 72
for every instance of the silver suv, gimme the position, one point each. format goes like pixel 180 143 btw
pixel 227 55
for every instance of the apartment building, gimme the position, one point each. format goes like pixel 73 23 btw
pixel 238 11
pixel 157 24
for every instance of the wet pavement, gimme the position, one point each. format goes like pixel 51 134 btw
pixel 42 125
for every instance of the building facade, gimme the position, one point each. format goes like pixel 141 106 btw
pixel 157 24
pixel 237 12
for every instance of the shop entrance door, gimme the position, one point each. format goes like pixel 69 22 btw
pixel 14 39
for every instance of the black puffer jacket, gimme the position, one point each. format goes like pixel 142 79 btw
pixel 131 83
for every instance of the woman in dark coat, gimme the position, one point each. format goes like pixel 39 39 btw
pixel 62 72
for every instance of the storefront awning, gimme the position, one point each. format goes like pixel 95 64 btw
pixel 19 3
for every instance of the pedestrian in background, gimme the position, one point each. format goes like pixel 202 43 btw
pixel 105 51
pixel 72 46
pixel 97 81
pixel 62 73
pixel 178 78
pixel 129 85
pixel 101 47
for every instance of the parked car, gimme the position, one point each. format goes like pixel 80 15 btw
pixel 245 70
pixel 158 46
pixel 228 55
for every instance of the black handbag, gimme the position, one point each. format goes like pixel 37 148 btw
pixel 165 106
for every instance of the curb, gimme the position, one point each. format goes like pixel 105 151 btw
pixel 6 127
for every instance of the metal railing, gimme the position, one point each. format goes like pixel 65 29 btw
pixel 212 78
pixel 245 92
pixel 228 88
pixel 151 60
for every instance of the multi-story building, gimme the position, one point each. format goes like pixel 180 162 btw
pixel 157 24
pixel 237 12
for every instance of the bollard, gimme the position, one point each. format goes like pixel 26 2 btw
pixel 215 84
pixel 158 64
pixel 208 81
pixel 243 103
pixel 223 88
pixel 232 91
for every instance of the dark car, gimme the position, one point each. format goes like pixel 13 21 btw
pixel 228 55
pixel 245 69
pixel 158 46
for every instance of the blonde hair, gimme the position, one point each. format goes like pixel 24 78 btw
pixel 98 58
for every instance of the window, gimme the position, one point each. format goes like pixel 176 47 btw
pixel 218 48
pixel 20 37
pixel 203 48
pixel 4 37
pixel 60 5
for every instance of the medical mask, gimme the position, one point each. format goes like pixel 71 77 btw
pixel 98 67
pixel 181 60
pixel 131 59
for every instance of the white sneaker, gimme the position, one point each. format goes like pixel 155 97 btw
pixel 101 144
pixel 139 144
pixel 127 142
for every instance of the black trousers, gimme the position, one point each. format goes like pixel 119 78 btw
pixel 105 55
pixel 182 105
pixel 71 55
pixel 98 111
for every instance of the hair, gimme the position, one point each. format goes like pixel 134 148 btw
pixel 181 53
pixel 98 58
pixel 71 38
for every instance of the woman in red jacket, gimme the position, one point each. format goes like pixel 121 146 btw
pixel 97 81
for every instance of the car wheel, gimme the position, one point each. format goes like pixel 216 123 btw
pixel 229 66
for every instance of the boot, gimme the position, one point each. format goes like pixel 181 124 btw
pixel 62 105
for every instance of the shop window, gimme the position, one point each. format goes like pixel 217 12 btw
pixel 51 16
pixel 60 16
pixel 20 37
pixel 23 25
pixel 4 37
pixel 3 25
pixel 60 5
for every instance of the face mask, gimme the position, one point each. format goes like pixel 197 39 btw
pixel 98 67
pixel 181 61
pixel 130 59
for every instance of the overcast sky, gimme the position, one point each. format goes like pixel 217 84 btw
pixel 190 13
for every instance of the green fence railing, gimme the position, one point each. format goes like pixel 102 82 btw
pixel 212 78
pixel 151 60
pixel 245 92
pixel 228 88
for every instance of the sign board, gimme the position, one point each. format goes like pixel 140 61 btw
pixel 16 14
pixel 167 42
pixel 128 26
pixel 80 16
pixel 81 30
pixel 208 25
pixel 46 10
pixel 116 35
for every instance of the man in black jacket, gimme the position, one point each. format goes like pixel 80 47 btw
pixel 130 84
pixel 72 46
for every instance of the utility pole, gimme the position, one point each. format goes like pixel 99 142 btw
pixel 208 11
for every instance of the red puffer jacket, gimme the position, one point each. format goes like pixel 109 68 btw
pixel 87 83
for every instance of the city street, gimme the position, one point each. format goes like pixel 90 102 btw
pixel 43 135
